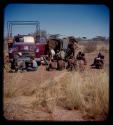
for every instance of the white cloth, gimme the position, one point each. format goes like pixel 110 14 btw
pixel 52 53
pixel 35 64
pixel 62 54
pixel 98 58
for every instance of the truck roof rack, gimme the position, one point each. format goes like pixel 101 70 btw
pixel 10 24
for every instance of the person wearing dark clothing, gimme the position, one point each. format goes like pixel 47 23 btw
pixel 14 65
pixel 81 56
pixel 81 61
pixel 71 63
pixel 98 61
pixel 70 49
pixel 69 52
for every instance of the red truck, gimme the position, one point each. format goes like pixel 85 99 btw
pixel 28 45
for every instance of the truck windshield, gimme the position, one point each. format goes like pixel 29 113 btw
pixel 19 39
pixel 29 39
pixel 40 39
pixel 25 39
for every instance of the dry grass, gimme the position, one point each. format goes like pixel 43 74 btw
pixel 10 87
pixel 88 92
pixel 95 46
pixel 103 47
pixel 90 47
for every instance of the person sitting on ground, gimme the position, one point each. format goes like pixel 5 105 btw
pixel 81 56
pixel 81 61
pixel 62 54
pixel 101 58
pixel 98 61
pixel 29 65
pixel 20 62
pixel 60 64
pixel 17 63
pixel 70 62
pixel 13 65
pixel 32 66
pixel 35 66
pixel 57 55
pixel 52 52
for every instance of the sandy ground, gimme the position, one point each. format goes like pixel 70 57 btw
pixel 20 107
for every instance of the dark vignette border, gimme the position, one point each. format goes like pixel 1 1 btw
pixel 3 4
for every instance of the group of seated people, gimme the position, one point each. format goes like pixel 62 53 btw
pixel 63 59
pixel 57 60
pixel 74 62
pixel 68 61
pixel 18 64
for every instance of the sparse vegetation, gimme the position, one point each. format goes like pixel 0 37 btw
pixel 90 93
pixel 10 87
pixel 103 47
pixel 90 47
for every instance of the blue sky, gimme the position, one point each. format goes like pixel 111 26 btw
pixel 66 19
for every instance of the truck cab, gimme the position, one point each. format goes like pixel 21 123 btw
pixel 28 46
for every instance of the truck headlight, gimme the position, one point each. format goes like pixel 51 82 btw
pixel 37 50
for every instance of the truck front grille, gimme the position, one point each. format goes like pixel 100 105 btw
pixel 26 54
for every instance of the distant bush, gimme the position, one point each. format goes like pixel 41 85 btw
pixel 90 47
pixel 103 47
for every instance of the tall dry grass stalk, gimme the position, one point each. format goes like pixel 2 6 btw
pixel 89 92
pixel 11 87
